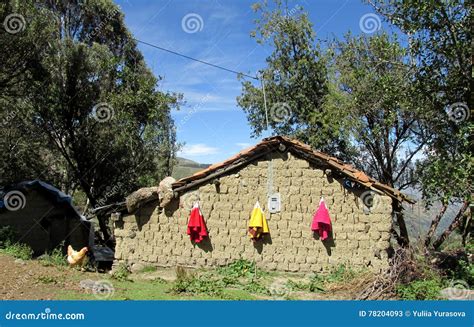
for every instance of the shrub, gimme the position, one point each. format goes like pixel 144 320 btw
pixel 257 288
pixel 7 236
pixel 428 289
pixel 18 250
pixel 55 258
pixel 188 283
pixel 237 269
pixel 121 273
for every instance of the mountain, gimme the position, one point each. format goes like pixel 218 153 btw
pixel 186 167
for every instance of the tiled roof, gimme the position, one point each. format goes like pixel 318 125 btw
pixel 300 150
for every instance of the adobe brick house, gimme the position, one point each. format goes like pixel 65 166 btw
pixel 360 209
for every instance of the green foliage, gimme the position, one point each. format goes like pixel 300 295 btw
pixel 122 273
pixel 148 269
pixel 18 250
pixel 295 81
pixel 340 273
pixel 47 280
pixel 55 258
pixel 428 289
pixel 256 287
pixel 189 283
pixel 238 268
pixel 7 236
pixel 81 84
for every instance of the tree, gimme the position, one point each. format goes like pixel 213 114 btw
pixel 295 81
pixel 96 103
pixel 441 46
pixel 372 87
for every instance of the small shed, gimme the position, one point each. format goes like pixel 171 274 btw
pixel 289 179
pixel 43 217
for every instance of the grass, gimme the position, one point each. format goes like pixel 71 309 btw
pixel 56 258
pixel 17 250
pixel 428 289
pixel 148 269
pixel 122 273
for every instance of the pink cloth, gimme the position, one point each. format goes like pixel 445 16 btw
pixel 321 221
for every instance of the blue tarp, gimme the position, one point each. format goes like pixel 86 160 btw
pixel 56 196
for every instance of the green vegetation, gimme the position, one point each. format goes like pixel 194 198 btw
pixel 148 269
pixel 17 250
pixel 55 258
pixel 122 273
pixel 189 283
pixel 428 289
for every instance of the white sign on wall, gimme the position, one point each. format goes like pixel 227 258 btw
pixel 274 203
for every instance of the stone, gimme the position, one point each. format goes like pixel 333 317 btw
pixel 138 198
pixel 165 191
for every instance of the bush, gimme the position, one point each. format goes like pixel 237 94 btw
pixel 257 288
pixel 188 283
pixel 55 258
pixel 428 289
pixel 121 273
pixel 18 250
pixel 7 236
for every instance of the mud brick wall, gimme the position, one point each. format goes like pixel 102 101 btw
pixel 157 236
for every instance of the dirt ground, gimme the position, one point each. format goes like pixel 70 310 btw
pixel 31 280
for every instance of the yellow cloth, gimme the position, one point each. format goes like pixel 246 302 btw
pixel 257 224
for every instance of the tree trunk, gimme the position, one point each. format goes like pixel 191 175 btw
pixel 397 208
pixel 455 224
pixel 102 220
pixel 434 225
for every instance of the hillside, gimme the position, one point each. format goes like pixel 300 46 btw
pixel 186 167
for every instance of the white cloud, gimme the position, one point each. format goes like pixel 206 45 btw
pixel 193 150
pixel 243 145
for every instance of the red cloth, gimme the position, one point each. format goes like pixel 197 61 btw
pixel 321 221
pixel 197 230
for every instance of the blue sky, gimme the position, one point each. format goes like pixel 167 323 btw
pixel 211 124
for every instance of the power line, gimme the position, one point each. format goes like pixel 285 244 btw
pixel 198 60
